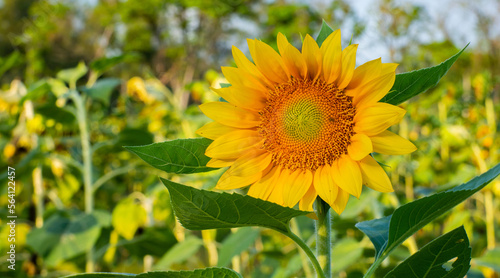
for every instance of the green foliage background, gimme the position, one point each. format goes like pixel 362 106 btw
pixel 144 66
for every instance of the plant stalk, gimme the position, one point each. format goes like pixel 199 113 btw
pixel 323 237
pixel 81 116
pixel 308 252
pixel 294 227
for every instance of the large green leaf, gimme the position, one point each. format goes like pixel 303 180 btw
pixel 62 237
pixel 212 272
pixel 411 217
pixel 410 84
pixel 430 261
pixel 181 156
pixel 236 243
pixel 42 240
pixel 200 209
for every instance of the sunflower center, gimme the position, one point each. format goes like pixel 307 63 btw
pixel 302 120
pixel 307 124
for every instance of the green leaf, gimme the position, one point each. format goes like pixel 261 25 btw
pixel 133 137
pixel 102 89
pixel 153 241
pixel 212 272
pixel 72 75
pixel 490 259
pixel 409 218
pixel 127 217
pixel 431 260
pixel 102 275
pixel 62 238
pixel 323 33
pixel 104 64
pixel 179 253
pixel 345 253
pixel 42 240
pixel 410 84
pixel 58 114
pixel 9 62
pixel 181 156
pixel 378 232
pixel 200 209
pixel 36 90
pixel 236 243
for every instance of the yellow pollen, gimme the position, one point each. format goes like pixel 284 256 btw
pixel 307 124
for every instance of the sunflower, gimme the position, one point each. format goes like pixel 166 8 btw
pixel 302 124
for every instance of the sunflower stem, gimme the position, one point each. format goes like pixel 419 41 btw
pixel 308 252
pixel 323 237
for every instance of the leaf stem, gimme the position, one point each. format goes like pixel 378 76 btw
pixel 323 236
pixel 308 252
pixel 294 227
pixel 373 267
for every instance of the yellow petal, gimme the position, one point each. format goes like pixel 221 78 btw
pixel 388 68
pixel 214 130
pixel 220 163
pixel 324 184
pixel 276 195
pixel 251 163
pixel 241 78
pixel 387 142
pixel 348 64
pixel 243 63
pixel 262 188
pixel 234 144
pixel 296 187
pixel 269 62
pixel 363 74
pixel 341 201
pixel 360 146
pixel 332 57
pixel 306 203
pixel 374 90
pixel 282 42
pixel 374 176
pixel 312 56
pixel 348 176
pixel 251 47
pixel 374 119
pixel 292 59
pixel 229 181
pixel 230 115
pixel 243 97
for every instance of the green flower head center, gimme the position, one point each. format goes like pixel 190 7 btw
pixel 303 120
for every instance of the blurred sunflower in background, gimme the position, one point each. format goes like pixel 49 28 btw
pixel 299 124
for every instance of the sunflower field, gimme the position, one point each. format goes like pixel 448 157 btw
pixel 239 138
